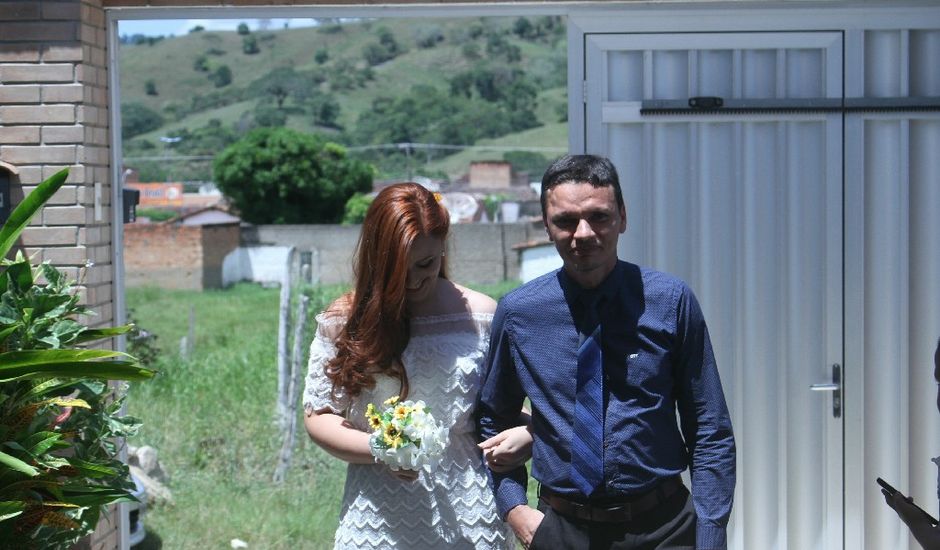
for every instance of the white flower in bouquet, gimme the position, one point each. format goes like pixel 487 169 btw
pixel 405 435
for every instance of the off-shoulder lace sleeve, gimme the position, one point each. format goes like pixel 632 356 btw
pixel 318 395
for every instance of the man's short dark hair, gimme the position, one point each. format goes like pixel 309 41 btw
pixel 598 171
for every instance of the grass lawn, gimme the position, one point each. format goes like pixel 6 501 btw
pixel 211 418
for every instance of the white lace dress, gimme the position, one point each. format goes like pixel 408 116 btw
pixel 450 507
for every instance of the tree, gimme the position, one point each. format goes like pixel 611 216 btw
pixel 279 175
pixel 243 29
pixel 137 119
pixel 150 87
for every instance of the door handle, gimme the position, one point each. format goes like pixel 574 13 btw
pixel 835 387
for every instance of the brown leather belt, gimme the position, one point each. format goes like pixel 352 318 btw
pixel 615 511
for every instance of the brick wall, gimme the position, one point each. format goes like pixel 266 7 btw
pixel 177 256
pixel 54 114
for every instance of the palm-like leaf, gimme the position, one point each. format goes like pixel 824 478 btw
pixel 68 363
pixel 25 210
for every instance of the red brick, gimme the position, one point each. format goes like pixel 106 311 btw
pixel 19 94
pixel 93 155
pixel 65 215
pixel 46 236
pixel 19 135
pixel 47 114
pixel 58 154
pixel 59 72
pixel 41 31
pixel 63 134
pixel 64 93
pixel 93 15
pixel 22 11
pixel 100 254
pixel 29 175
pixel 66 255
pixel 62 53
pixel 19 53
pixel 70 11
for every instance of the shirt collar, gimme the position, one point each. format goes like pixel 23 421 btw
pixel 607 290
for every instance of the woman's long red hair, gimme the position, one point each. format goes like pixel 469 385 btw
pixel 377 328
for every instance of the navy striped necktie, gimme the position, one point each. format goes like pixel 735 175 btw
pixel 587 440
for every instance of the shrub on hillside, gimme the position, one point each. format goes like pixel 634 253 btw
pixel 428 37
pixel 221 76
pixel 250 45
pixel 137 119
pixel 282 176
pixel 243 29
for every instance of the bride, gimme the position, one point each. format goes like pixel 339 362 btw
pixel 405 329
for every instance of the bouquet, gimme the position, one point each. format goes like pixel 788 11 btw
pixel 405 435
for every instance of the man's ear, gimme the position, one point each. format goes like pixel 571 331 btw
pixel 623 218
pixel 545 225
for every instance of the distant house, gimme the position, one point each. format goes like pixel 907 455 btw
pixel 186 252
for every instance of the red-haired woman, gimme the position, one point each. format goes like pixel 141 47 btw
pixel 406 330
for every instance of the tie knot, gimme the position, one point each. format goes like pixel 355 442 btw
pixel 590 310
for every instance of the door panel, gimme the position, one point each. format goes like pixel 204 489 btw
pixel 747 208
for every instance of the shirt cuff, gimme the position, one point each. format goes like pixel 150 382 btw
pixel 509 494
pixel 708 536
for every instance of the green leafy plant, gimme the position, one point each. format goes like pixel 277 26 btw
pixel 59 418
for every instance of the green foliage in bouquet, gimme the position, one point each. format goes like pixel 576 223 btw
pixel 59 417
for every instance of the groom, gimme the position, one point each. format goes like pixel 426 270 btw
pixel 607 351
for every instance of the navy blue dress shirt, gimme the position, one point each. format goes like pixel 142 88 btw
pixel 657 358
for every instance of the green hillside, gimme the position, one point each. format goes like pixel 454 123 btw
pixel 496 81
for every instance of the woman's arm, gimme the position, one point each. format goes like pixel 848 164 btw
pixel 509 448
pixel 338 437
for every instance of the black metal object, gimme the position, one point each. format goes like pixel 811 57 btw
pixel 718 105
pixel 5 199
pixel 131 200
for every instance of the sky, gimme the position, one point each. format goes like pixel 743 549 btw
pixel 180 27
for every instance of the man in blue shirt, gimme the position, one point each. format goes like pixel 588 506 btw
pixel 607 352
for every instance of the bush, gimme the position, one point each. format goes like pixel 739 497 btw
pixel 201 64
pixel 355 210
pixel 269 117
pixel 283 176
pixel 250 45
pixel 243 29
pixel 59 418
pixel 322 56
pixel 137 119
pixel 150 87
pixel 428 37
pixel 222 76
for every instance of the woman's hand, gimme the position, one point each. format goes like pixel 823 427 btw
pixel 508 449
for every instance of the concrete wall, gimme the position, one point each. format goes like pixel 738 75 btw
pixel 476 253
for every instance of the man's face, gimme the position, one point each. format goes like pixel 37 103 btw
pixel 585 222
